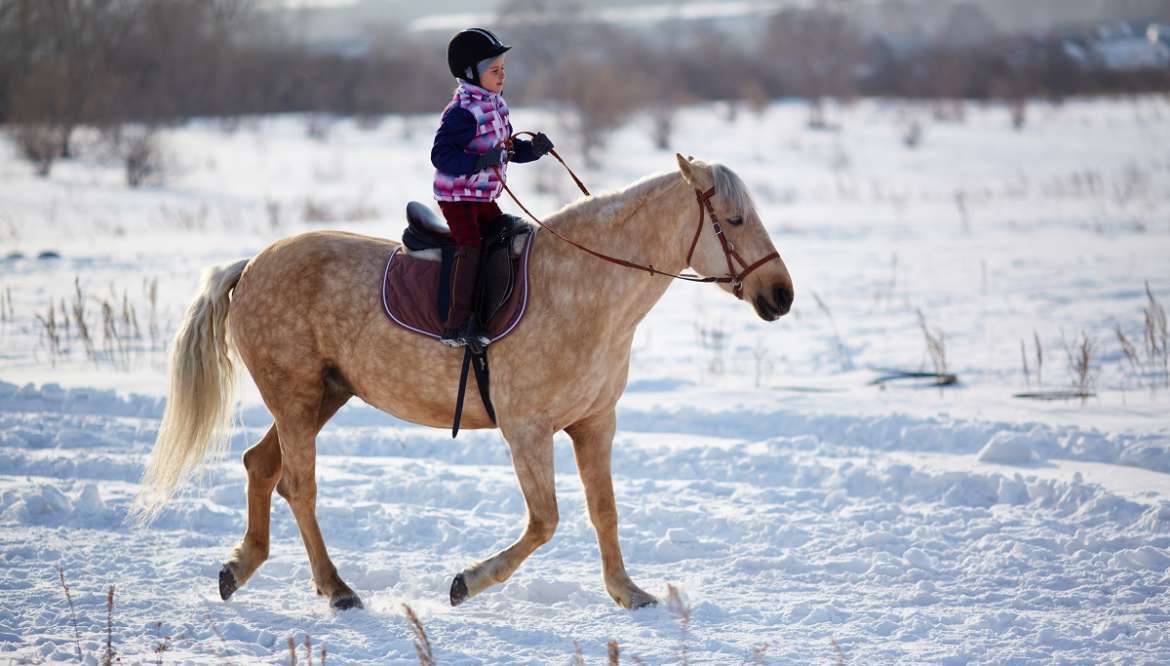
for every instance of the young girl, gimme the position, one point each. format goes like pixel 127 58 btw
pixel 471 153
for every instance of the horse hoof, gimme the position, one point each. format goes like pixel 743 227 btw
pixel 227 583
pixel 458 590
pixel 644 603
pixel 347 602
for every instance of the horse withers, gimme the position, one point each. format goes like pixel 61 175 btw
pixel 305 318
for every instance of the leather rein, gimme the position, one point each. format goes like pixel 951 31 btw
pixel 703 199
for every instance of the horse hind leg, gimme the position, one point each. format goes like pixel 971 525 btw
pixel 264 463
pixel 298 486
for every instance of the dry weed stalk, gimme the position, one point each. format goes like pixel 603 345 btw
pixel 840 653
pixel 1039 358
pixel 150 287
pixel 162 644
pixel 292 651
pixel 422 644
pixel 1080 363
pixel 763 361
pixel 578 656
pixel 1024 361
pixel 838 344
pixel 680 609
pixel 758 653
pixel 72 613
pixel 50 333
pixel 714 340
pixel 936 347
pixel 613 653
pixel 110 654
pixel 1157 337
pixel 79 317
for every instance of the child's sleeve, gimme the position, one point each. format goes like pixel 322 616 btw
pixel 449 154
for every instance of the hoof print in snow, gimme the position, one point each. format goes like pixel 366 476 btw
pixel 227 583
pixel 347 602
pixel 458 590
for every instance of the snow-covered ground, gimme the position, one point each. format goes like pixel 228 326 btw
pixel 806 515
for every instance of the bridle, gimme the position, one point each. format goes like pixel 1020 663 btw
pixel 703 199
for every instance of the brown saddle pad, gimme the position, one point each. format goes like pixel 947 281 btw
pixel 410 289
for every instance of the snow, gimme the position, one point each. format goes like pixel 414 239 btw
pixel 796 506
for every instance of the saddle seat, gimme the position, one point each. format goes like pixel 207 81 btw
pixel 427 230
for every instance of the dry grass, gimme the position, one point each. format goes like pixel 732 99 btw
pixel 713 339
pixel 109 656
pixel 162 644
pixel 72 613
pixel 613 653
pixel 422 644
pixel 680 609
pixel 838 344
pixel 1080 354
pixel 936 348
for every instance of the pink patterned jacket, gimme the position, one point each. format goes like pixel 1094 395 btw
pixel 492 128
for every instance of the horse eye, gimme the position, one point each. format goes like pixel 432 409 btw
pixel 735 221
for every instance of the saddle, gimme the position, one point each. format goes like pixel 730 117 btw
pixel 416 286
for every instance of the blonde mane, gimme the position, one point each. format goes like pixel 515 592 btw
pixel 602 208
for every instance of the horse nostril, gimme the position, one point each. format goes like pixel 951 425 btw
pixel 783 297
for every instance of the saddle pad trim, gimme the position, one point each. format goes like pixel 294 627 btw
pixel 434 336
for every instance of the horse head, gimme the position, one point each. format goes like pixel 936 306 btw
pixel 733 243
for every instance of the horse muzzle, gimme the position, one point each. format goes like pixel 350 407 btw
pixel 776 305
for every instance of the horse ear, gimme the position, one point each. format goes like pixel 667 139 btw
pixel 695 173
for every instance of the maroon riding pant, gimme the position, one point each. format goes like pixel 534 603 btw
pixel 468 219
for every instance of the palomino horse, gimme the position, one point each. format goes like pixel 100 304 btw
pixel 305 316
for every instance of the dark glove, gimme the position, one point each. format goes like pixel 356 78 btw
pixel 541 144
pixel 491 158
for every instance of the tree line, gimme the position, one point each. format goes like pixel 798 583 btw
pixel 105 63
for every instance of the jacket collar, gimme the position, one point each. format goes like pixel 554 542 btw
pixel 475 92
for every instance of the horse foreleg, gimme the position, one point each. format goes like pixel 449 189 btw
pixel 532 458
pixel 263 464
pixel 593 446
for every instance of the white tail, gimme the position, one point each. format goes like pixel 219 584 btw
pixel 200 400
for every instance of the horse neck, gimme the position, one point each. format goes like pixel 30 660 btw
pixel 644 225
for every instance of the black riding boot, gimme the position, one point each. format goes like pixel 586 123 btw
pixel 460 328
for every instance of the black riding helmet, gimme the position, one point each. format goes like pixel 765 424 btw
pixel 469 47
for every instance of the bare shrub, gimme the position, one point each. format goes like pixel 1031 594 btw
pixel 39 144
pixel 142 156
